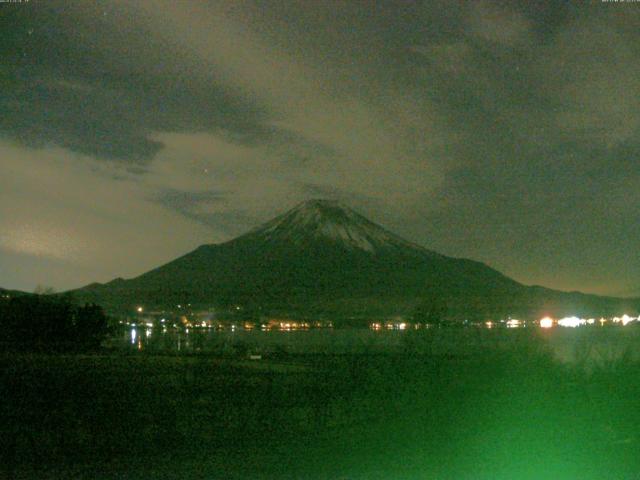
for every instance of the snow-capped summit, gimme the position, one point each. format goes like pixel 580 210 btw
pixel 329 220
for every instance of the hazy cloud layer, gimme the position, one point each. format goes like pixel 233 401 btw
pixel 501 131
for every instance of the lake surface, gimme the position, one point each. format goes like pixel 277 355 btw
pixel 590 344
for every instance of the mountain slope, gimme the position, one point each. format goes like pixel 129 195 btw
pixel 319 257
pixel 6 294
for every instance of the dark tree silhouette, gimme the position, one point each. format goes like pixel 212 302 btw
pixel 50 323
pixel 90 325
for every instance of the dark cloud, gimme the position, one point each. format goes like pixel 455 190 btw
pixel 88 78
pixel 187 203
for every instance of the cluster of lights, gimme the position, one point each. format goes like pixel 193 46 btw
pixel 393 326
pixel 625 319
pixel 546 323
pixel 573 322
pixel 290 325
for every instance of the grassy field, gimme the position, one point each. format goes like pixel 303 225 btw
pixel 513 414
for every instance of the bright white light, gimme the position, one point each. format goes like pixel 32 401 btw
pixel 139 309
pixel 133 336
pixel 571 322
pixel 149 324
pixel 513 323
pixel 627 319
pixel 402 326
pixel 546 322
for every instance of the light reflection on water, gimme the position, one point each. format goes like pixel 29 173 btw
pixel 568 345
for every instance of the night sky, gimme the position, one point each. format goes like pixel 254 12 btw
pixel 133 131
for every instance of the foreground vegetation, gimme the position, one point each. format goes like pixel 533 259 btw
pixel 497 415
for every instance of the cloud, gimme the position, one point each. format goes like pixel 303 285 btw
pixel 66 208
pixel 91 79
pixel 498 24
pixel 475 128
pixel 212 177
pixel 595 69
pixel 367 134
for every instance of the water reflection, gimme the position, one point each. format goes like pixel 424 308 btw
pixel 211 335
pixel 567 344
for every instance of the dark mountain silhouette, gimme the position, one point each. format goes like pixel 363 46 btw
pixel 6 294
pixel 322 258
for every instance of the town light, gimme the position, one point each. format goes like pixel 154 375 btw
pixel 546 322
pixel 626 319
pixel 571 322
pixel 513 323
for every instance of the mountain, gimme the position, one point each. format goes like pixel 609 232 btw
pixel 7 294
pixel 322 258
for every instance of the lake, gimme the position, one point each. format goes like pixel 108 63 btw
pixel 590 344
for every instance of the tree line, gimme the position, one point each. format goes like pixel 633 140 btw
pixel 46 322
